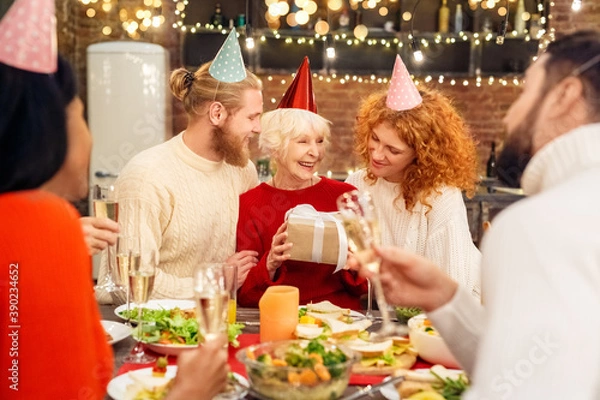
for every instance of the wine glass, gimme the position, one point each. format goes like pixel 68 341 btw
pixel 211 299
pixel 141 283
pixel 105 205
pixel 128 258
pixel 361 226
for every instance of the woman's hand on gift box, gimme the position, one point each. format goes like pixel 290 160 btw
pixel 279 250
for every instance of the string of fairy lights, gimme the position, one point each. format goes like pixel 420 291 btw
pixel 139 16
pixel 477 81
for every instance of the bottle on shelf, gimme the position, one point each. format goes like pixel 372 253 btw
pixel 443 17
pixel 344 20
pixel 491 171
pixel 458 19
pixel 519 24
pixel 217 18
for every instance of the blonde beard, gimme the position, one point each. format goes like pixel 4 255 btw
pixel 233 150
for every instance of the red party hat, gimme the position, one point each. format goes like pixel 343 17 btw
pixel 300 93
pixel 403 94
pixel 28 36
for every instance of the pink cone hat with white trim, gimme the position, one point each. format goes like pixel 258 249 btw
pixel 403 94
pixel 28 36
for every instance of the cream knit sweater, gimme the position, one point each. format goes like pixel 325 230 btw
pixel 185 209
pixel 537 337
pixel 442 235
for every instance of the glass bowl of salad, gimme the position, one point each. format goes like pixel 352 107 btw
pixel 298 369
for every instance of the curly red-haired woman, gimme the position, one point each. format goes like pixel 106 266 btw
pixel 418 162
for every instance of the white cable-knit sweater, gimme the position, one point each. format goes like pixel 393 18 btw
pixel 538 335
pixel 442 235
pixel 186 209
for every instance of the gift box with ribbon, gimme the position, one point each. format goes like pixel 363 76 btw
pixel 317 236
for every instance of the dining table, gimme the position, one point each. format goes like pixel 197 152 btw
pixel 247 316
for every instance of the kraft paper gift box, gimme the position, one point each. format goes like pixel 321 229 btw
pixel 317 236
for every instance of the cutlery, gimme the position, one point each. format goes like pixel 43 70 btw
pixel 370 389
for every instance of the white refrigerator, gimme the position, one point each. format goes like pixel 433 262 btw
pixel 128 105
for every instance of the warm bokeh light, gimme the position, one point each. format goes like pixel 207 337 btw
pixel 361 31
pixel 335 5
pixel 311 7
pixel 290 19
pixel 271 18
pixel 284 8
pixel 383 11
pixel 106 30
pixel 322 27
pixel 406 16
pixel 302 17
pixel 300 3
pixel 502 11
pixel 90 12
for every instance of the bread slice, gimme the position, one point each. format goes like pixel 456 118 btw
pixel 404 361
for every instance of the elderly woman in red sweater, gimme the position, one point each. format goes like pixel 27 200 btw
pixel 295 138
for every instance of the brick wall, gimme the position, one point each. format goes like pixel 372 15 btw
pixel 482 107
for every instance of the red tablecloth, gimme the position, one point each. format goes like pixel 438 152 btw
pixel 247 339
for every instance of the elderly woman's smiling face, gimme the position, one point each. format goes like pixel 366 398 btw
pixel 297 163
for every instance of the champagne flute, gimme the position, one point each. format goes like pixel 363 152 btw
pixel 211 300
pixel 361 226
pixel 141 283
pixel 105 205
pixel 128 258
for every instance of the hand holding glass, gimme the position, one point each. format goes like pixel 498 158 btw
pixel 105 205
pixel 361 226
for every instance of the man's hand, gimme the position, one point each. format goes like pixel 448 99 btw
pixel 244 260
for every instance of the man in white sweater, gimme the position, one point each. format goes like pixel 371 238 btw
pixel 537 336
pixel 182 196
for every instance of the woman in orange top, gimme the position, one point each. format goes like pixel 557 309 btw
pixel 53 345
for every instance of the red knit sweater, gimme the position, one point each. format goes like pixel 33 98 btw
pixel 53 346
pixel 262 211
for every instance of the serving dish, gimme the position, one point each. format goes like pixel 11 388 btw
pixel 290 370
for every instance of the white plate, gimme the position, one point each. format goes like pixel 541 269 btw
pixel 162 304
pixel 169 349
pixel 391 393
pixel 117 330
pixel 117 386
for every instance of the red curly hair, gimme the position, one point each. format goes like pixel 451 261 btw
pixel 445 151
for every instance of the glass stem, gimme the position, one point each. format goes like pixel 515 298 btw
pixel 381 302
pixel 369 314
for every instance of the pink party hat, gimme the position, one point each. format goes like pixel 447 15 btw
pixel 403 94
pixel 28 36
pixel 300 93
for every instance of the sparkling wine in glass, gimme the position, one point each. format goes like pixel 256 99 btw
pixel 362 228
pixel 128 258
pixel 212 299
pixel 105 205
pixel 141 284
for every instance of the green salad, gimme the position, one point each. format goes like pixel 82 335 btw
pixel 174 327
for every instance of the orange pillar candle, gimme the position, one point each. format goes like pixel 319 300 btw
pixel 278 313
